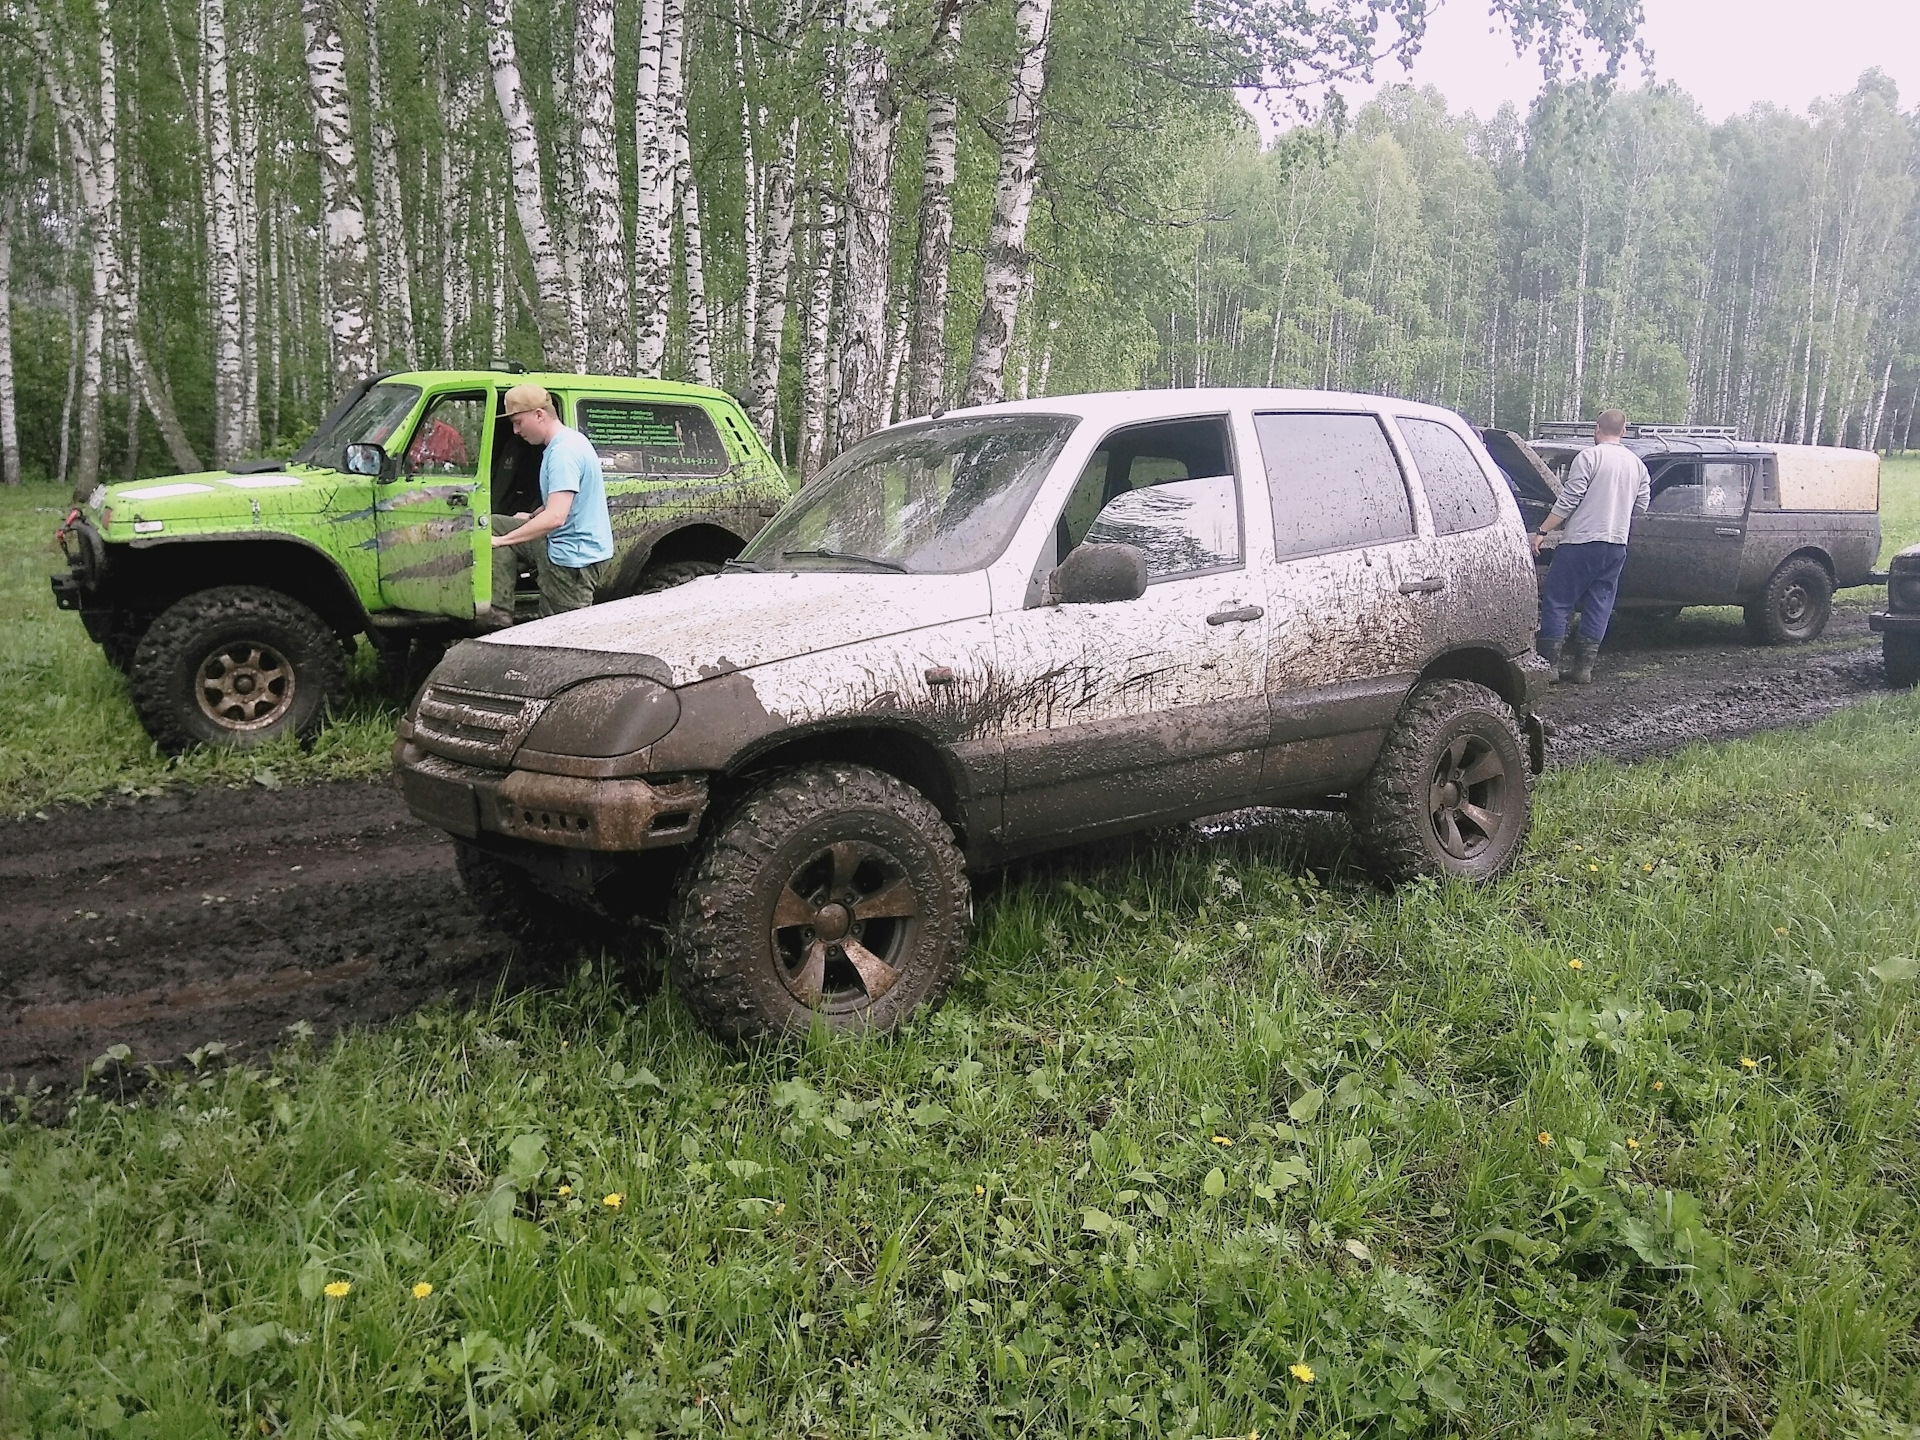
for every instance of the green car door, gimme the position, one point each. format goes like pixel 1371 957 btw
pixel 427 537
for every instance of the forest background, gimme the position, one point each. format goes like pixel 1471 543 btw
pixel 216 214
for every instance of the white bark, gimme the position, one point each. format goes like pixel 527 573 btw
pixel 606 310
pixel 223 193
pixel 652 208
pixel 699 326
pixel 776 281
pixel 344 220
pixel 9 425
pixel 932 263
pixel 1007 259
pixel 751 196
pixel 246 151
pixel 815 331
pixel 553 312
pixel 872 125
pixel 389 215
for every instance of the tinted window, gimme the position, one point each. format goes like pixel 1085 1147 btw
pixel 1334 482
pixel 1676 489
pixel 640 437
pixel 1457 488
pixel 1182 526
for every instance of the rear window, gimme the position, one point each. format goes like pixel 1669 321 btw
pixel 653 440
pixel 1334 482
pixel 1457 489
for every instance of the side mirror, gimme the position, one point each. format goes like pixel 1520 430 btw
pixel 1099 575
pixel 364 458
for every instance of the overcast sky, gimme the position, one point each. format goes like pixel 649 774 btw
pixel 1728 54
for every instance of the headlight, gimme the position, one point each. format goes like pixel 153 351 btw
pixel 603 718
pixel 1903 590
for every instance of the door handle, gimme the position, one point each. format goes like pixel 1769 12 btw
pixel 1233 617
pixel 1733 530
pixel 458 499
pixel 1432 584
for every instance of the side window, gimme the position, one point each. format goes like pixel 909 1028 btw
pixel 1676 489
pixel 648 439
pixel 1334 482
pixel 1457 488
pixel 447 439
pixel 1168 489
pixel 1723 489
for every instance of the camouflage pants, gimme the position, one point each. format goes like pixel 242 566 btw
pixel 562 587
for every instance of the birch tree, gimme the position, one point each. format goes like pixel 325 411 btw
pixel 13 167
pixel 776 281
pixel 607 313
pixel 933 254
pixel 223 193
pixel 552 310
pixel 389 216
pixel 872 123
pixel 343 218
pixel 656 100
pixel 1007 258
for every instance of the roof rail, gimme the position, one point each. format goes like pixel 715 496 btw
pixel 1582 429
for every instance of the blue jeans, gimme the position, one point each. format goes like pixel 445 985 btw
pixel 1583 577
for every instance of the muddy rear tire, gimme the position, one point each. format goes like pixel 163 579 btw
pixel 1451 793
pixel 832 892
pixel 1902 656
pixel 236 666
pixel 1793 609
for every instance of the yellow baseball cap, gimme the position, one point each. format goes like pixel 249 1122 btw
pixel 522 398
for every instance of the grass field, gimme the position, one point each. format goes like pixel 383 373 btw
pixel 1213 1138
pixel 68 731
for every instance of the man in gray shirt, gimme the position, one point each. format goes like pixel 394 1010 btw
pixel 1605 488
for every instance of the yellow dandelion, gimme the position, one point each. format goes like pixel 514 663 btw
pixel 338 1289
pixel 565 1191
pixel 1779 929
pixel 1747 1062
pixel 1545 1137
pixel 422 1290
pixel 1648 868
pixel 1593 867
pixel 1659 1084
pixel 1632 1144
pixel 979 1190
pixel 780 1207
pixel 613 1201
pixel 1575 965
pixel 1302 1372
pixel 1221 1140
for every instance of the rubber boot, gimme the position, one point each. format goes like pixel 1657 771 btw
pixel 1548 649
pixel 1580 658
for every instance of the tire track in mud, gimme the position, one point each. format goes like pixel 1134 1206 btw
pixel 230 915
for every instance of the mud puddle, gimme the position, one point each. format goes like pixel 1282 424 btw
pixel 230 915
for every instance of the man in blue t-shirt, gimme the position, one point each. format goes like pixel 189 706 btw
pixel 578 556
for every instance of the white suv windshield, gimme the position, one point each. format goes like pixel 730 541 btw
pixel 938 498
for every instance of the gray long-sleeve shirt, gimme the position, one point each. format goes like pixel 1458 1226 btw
pixel 1606 486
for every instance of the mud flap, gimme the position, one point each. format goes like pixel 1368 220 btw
pixel 1536 741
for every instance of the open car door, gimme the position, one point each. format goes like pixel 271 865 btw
pixel 1532 481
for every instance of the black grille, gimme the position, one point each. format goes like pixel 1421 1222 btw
pixel 473 726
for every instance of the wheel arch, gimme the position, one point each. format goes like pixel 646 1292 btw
pixel 159 573
pixel 699 538
pixel 1482 665
pixel 901 750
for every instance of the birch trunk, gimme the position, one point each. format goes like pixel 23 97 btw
pixel 606 313
pixel 344 220
pixel 872 124
pixel 229 383
pixel 246 140
pixel 699 326
pixel 1007 259
pixel 776 280
pixel 750 226
pixel 389 215
pixel 652 210
pixel 816 329
pixel 9 425
pixel 552 314
pixel 933 255
pixel 566 198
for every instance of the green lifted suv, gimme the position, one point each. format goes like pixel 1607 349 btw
pixel 232 598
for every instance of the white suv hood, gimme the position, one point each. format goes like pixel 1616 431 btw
pixel 741 619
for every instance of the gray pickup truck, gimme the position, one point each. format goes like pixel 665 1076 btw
pixel 1775 529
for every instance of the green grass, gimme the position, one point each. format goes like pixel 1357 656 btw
pixel 68 731
pixel 1193 1116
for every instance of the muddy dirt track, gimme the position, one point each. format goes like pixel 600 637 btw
pixel 231 914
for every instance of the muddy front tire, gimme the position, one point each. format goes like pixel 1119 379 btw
pixel 1902 656
pixel 1793 609
pixel 833 892
pixel 1451 793
pixel 675 572
pixel 236 666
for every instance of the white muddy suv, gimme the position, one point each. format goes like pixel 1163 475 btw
pixel 992 633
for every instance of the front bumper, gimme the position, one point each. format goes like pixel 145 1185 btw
pixel 1885 622
pixel 562 810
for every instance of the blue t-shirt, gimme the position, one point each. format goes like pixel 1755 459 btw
pixel 586 537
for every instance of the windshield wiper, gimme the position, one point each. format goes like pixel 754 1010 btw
pixel 743 565
pixel 847 555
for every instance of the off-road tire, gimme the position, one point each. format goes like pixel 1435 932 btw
pixel 122 640
pixel 405 661
pixel 550 934
pixel 288 640
pixel 675 572
pixel 1397 811
pixel 1902 656
pixel 845 833
pixel 1794 607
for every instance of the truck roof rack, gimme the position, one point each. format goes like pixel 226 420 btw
pixel 1583 429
